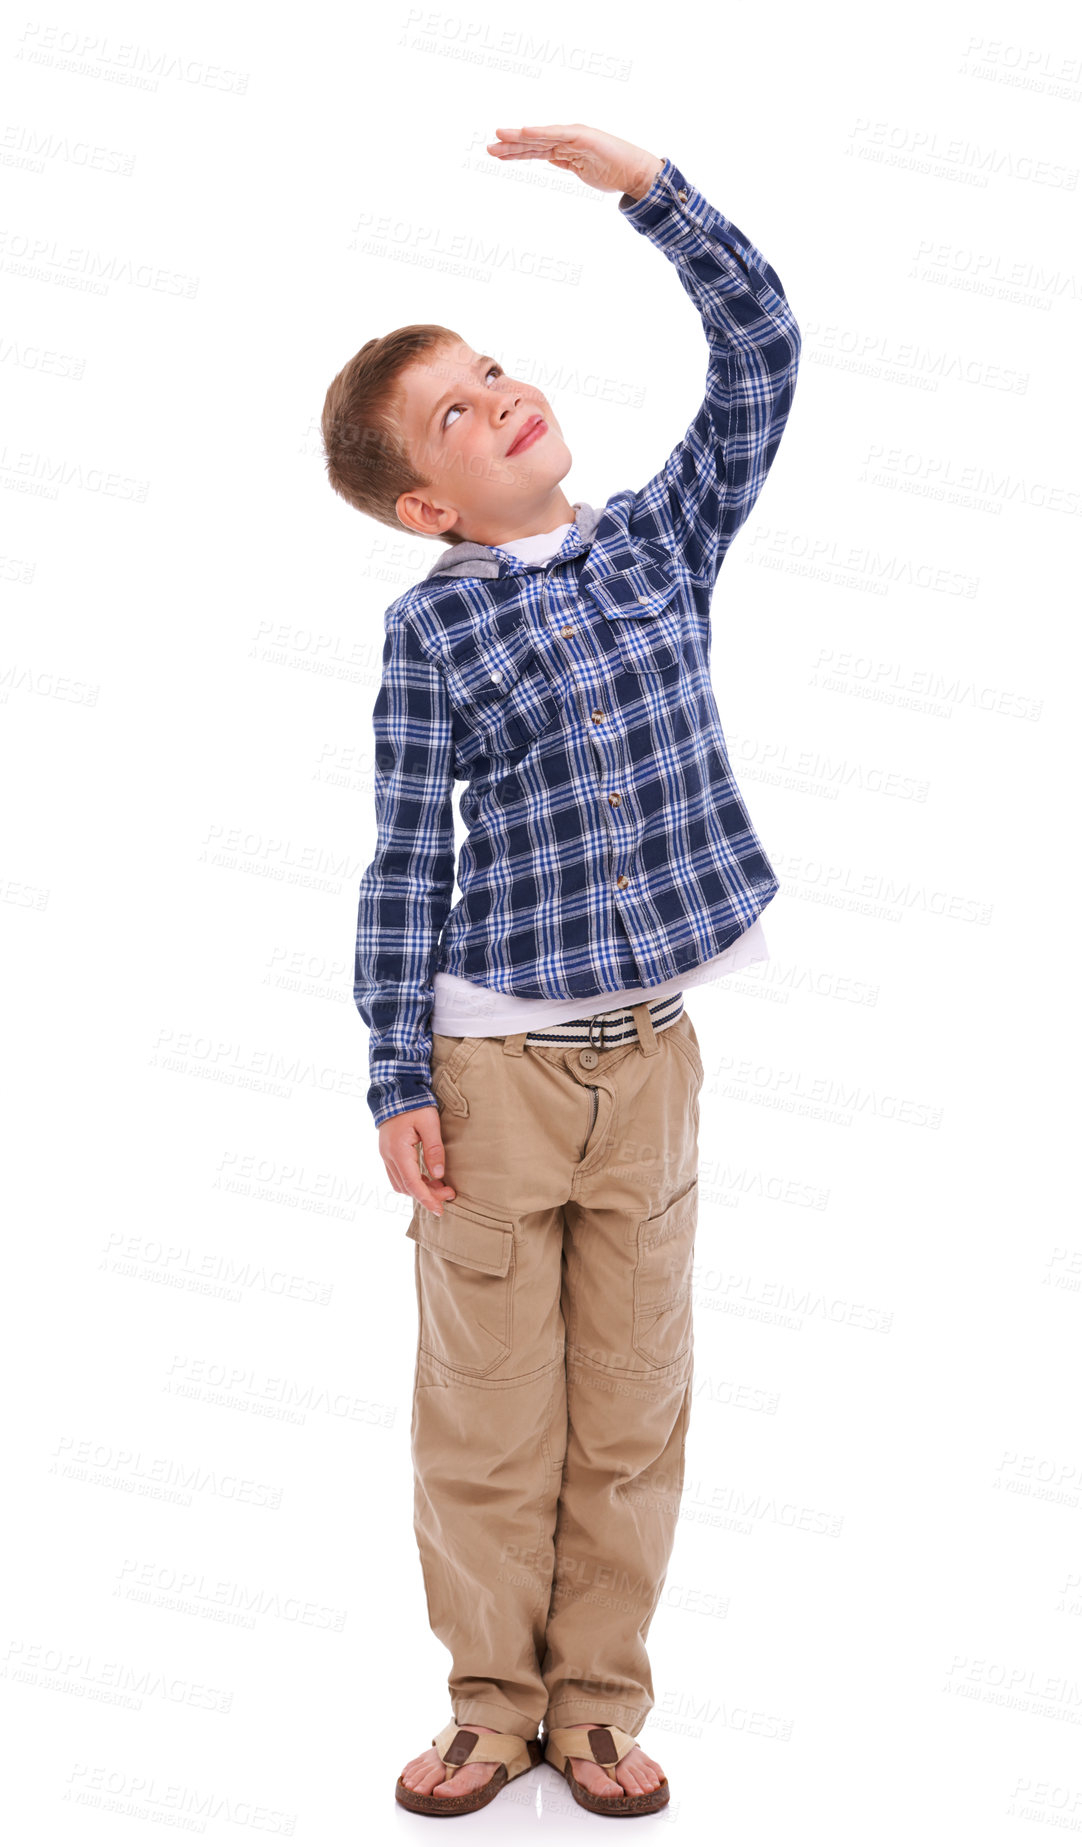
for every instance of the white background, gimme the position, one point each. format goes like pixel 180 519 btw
pixel 214 1608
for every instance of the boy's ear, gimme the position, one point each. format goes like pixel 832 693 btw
pixel 424 516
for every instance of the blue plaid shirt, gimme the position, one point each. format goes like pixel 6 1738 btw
pixel 607 843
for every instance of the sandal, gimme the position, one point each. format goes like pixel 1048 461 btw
pixel 606 1744
pixel 458 1745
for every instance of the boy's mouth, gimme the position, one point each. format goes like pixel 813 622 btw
pixel 532 428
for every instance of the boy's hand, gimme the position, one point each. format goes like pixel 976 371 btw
pixel 399 1138
pixel 600 160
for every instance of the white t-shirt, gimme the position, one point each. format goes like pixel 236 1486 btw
pixel 469 1009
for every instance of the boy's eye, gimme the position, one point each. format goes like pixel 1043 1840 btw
pixel 493 368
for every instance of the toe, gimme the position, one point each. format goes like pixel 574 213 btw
pixel 596 1780
pixel 639 1774
pixel 423 1773
pixel 466 1780
pixel 636 1775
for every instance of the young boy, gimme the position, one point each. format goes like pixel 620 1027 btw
pixel 530 1043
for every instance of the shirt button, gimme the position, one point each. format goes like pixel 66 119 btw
pixel 495 676
pixel 597 715
pixel 623 880
pixel 615 800
pixel 567 631
pixel 682 196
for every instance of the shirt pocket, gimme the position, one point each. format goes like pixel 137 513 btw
pixel 644 610
pixel 502 696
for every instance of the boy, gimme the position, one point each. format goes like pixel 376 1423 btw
pixel 555 659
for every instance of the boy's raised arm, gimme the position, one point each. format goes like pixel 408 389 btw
pixel 406 892
pixel 699 499
pixel 701 496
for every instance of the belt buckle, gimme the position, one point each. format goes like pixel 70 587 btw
pixel 597 1019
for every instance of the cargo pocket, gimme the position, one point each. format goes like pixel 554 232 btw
pixel 666 1248
pixel 465 1272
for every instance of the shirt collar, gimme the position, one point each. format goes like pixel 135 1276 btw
pixel 469 559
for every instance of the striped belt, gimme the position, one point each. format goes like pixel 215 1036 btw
pixel 605 1030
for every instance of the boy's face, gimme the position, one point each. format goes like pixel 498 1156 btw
pixel 461 415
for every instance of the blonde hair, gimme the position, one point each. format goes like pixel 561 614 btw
pixel 367 458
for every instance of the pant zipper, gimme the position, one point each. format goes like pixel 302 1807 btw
pixel 593 1119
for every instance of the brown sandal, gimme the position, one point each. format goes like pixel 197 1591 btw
pixel 606 1744
pixel 458 1745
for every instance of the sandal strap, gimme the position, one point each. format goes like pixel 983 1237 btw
pixel 606 1744
pixel 460 1744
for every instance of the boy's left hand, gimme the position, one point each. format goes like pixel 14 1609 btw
pixel 599 160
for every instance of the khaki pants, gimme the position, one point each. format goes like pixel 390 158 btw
pixel 554 1358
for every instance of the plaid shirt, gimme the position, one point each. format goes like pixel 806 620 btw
pixel 574 700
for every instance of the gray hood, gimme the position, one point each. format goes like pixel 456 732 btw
pixel 469 559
